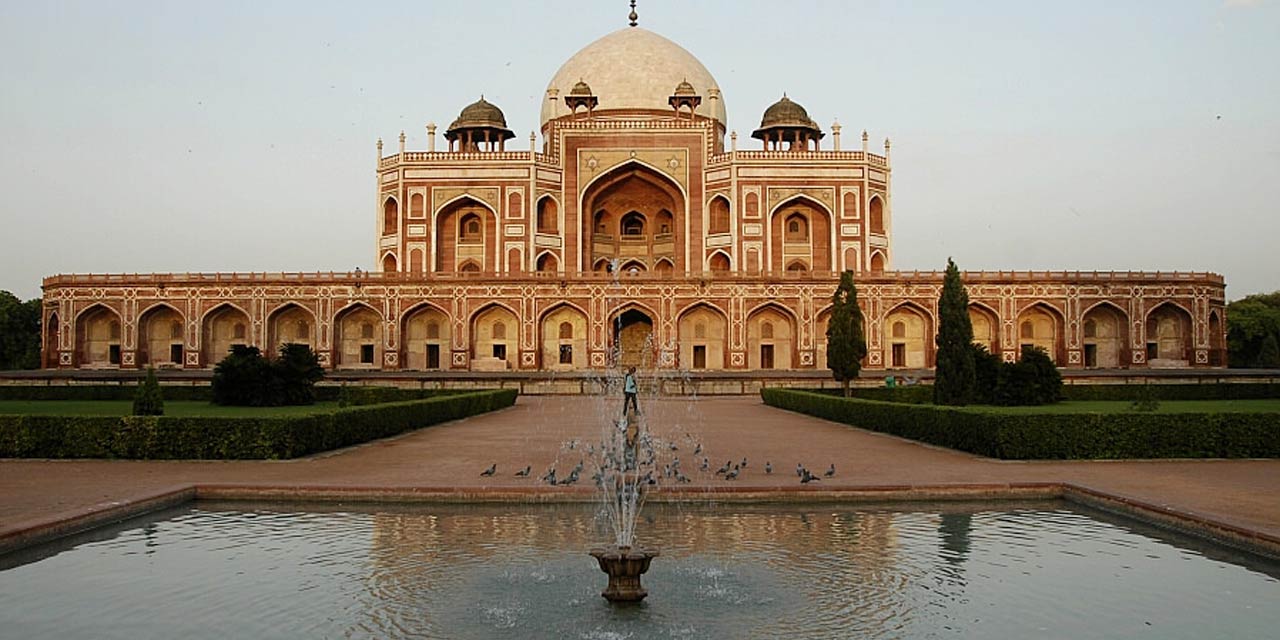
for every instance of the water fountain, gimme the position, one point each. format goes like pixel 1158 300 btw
pixel 624 478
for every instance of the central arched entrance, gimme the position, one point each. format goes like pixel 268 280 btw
pixel 633 338
pixel 633 214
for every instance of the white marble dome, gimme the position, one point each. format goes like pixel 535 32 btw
pixel 633 68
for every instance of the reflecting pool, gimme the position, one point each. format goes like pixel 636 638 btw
pixel 952 570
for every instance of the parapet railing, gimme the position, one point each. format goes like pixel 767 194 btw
pixel 409 157
pixel 373 277
pixel 847 156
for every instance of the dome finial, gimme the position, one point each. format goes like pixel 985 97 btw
pixel 633 17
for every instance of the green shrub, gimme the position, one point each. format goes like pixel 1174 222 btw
pixel 986 366
pixel 208 438
pixel 1145 400
pixel 148 401
pixel 246 378
pixel 1032 436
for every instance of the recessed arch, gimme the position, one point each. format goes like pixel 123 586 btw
pixel 907 336
pixel 1040 324
pixel 875 214
pixel 1169 329
pixel 221 328
pixel 771 332
pixel 465 215
pixel 358 337
pixel 389 263
pixel 98 330
pixel 548 262
pixel 425 330
pixel 703 332
pixel 986 325
pixel 564 329
pixel 631 191
pixel 631 335
pixel 495 329
pixel 877 264
pixel 1104 330
pixel 548 214
pixel 718 215
pixel 49 347
pixel 1217 340
pixel 632 267
pixel 390 215
pixel 800 229
pixel 162 331
pixel 719 261
pixel 290 323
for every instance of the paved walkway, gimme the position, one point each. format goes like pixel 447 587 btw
pixel 1241 493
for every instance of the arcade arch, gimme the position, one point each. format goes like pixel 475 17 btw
pixel 703 331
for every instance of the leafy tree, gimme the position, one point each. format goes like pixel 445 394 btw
pixel 297 370
pixel 955 376
pixel 1032 380
pixel 986 367
pixel 243 378
pixel 1252 323
pixel 148 401
pixel 19 332
pixel 846 344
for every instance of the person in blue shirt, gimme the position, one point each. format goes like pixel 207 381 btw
pixel 629 391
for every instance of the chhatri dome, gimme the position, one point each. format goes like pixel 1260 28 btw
pixel 633 68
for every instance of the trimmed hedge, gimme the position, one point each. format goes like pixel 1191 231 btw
pixel 923 394
pixel 1050 436
pixel 357 394
pixel 209 438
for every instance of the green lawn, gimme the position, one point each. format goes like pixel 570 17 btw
pixel 1166 406
pixel 175 408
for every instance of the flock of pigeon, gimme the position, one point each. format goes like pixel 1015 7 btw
pixel 730 470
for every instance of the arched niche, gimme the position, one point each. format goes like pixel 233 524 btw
pixel 631 335
pixel 636 212
pixel 718 215
pixel 50 346
pixel 466 233
pixel 495 333
pixel 564 339
pixel 426 338
pixel 390 216
pixel 1169 336
pixel 877 262
pixel 907 337
pixel 291 324
pixel 770 339
pixel 161 337
pixel 548 216
pixel 358 341
pixel 547 263
pixel 703 334
pixel 223 328
pixel 719 261
pixel 800 235
pixel 1040 326
pixel 875 214
pixel 986 327
pixel 389 263
pixel 98 337
pixel 1104 332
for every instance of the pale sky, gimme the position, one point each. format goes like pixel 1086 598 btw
pixel 239 136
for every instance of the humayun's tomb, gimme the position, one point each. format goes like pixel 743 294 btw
pixel 635 224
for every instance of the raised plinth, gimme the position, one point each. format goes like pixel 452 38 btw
pixel 624 566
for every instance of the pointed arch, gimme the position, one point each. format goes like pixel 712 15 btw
pixel 390 215
pixel 631 267
pixel 772 330
pixel 878 261
pixel 495 332
pixel 290 323
pixel 548 262
pixel 986 325
pixel 800 229
pixel 548 214
pixel 1104 330
pixel 1217 340
pixel 633 187
pixel 452 220
pixel 1169 328
pixel 664 266
pixel 162 331
pixel 875 214
pixel 358 337
pixel 718 215
pixel 49 346
pixel 425 330
pixel 389 262
pixel 222 327
pixel 719 261
pixel 1041 324
pixel 98 331
pixel 703 333
pixel 907 335
pixel 631 334
pixel 564 328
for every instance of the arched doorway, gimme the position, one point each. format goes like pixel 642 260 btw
pixel 98 332
pixel 290 324
pixel 1040 326
pixel 908 332
pixel 703 331
pixel 161 330
pixel 985 326
pixel 426 339
pixel 1105 332
pixel 223 328
pixel 564 339
pixel 1217 340
pixel 493 339
pixel 770 339
pixel 466 234
pixel 51 346
pixel 1168 336
pixel 633 338
pixel 631 217
pixel 358 338
pixel 800 232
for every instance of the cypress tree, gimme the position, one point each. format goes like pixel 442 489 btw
pixel 955 377
pixel 147 400
pixel 846 345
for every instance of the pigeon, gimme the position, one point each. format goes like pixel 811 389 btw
pixel 698 449
pixel 799 470
pixel 706 464
pixel 524 473
pixel 831 471
pixel 675 464
pixel 573 477
pixel 680 477
pixel 551 473
pixel 732 475
pixel 550 477
pixel 724 469
pixel 768 467
pixel 744 462
pixel 673 447
pixel 493 468
pixel 808 477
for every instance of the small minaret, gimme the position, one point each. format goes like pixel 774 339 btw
pixel 379 149
pixel 835 134
pixel 886 151
pixel 533 142
pixel 866 141
pixel 402 141
pixel 431 136
pixel 733 141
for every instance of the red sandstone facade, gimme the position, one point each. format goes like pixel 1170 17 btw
pixel 630 234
